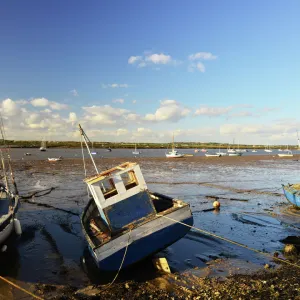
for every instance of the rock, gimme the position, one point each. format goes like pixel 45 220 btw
pixel 89 291
pixel 290 249
pixel 267 266
pixel 126 285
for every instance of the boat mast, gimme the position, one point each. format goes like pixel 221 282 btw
pixel 173 147
pixel 298 140
pixel 85 138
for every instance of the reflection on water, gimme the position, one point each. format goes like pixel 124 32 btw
pixel 52 248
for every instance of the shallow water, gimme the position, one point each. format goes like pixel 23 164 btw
pixel 36 154
pixel 52 249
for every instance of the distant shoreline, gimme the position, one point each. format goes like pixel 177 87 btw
pixel 125 145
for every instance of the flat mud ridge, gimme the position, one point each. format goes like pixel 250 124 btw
pixel 50 259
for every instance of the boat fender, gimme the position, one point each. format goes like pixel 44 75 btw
pixel 17 226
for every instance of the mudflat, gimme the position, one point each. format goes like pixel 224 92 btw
pixel 51 257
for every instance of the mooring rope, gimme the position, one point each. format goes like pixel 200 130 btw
pixel 20 288
pixel 121 265
pixel 232 242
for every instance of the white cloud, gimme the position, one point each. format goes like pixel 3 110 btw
pixel 134 59
pixel 122 131
pixel 200 67
pixel 202 56
pixel 213 111
pixel 22 102
pixel 9 108
pixel 114 85
pixel 149 59
pixel 133 101
pixel 43 102
pixel 57 106
pixel 118 101
pixel 40 102
pixel 104 115
pixel 72 117
pixel 169 110
pixel 196 64
pixel 74 93
pixel 158 58
pixel 46 111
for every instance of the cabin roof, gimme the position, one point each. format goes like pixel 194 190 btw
pixel 109 172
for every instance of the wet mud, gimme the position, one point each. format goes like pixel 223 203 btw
pixel 51 257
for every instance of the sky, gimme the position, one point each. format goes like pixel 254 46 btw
pixel 139 71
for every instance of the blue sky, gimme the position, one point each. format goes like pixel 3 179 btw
pixel 140 70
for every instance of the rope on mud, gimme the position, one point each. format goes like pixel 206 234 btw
pixel 230 241
pixel 121 265
pixel 20 288
pixel 35 194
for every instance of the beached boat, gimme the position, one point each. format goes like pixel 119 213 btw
pixel 221 153
pixel 234 154
pixel 286 154
pixel 292 193
pixel 212 155
pixel 53 159
pixel 9 224
pixel 43 146
pixel 124 222
pixel 174 153
pixel 9 201
pixel 136 152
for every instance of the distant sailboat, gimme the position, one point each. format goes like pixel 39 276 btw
pixel 231 150
pixel 136 152
pixel 43 145
pixel 174 153
pixel 93 152
pixel 267 149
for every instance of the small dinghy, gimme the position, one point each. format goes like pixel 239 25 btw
pixel 124 222
pixel 212 155
pixel 27 154
pixel 53 159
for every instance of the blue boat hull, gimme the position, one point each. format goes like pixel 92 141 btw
pixel 144 247
pixel 292 195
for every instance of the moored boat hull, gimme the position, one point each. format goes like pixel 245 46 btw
pixel 292 194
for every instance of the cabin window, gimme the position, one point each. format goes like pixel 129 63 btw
pixel 108 188
pixel 129 179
